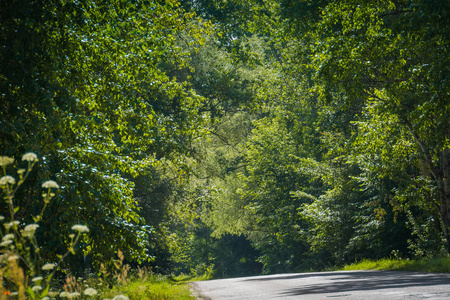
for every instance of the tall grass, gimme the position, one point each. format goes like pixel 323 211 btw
pixel 152 288
pixel 438 265
pixel 140 283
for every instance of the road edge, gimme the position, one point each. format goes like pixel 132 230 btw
pixel 195 291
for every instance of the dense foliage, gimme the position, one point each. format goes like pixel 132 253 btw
pixel 84 85
pixel 236 137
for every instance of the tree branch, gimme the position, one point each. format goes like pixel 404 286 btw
pixel 424 149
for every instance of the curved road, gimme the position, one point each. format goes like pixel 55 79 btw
pixel 384 285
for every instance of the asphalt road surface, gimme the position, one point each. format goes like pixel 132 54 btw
pixel 378 285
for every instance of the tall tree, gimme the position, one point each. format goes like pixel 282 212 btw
pixel 85 86
pixel 394 53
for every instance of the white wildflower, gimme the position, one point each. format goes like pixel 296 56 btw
pixel 64 294
pixel 36 288
pixel 48 266
pixel 73 295
pixel 30 229
pixel 37 279
pixel 90 292
pixel 2 218
pixel 13 257
pixel 30 156
pixel 7 179
pixel 80 228
pixel 53 294
pixel 9 236
pixel 121 297
pixel 6 243
pixel 5 160
pixel 11 224
pixel 50 184
pixel 46 298
pixel 14 294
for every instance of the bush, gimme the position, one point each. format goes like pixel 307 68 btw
pixel 22 272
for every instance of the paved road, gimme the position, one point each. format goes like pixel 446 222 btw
pixel 380 285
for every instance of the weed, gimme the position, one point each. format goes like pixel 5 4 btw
pixel 24 275
pixel 439 265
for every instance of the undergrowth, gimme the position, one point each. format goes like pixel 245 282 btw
pixel 438 265
pixel 152 287
pixel 25 275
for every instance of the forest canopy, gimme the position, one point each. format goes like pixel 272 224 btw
pixel 232 137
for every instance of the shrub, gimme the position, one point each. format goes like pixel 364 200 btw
pixel 22 272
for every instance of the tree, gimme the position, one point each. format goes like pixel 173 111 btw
pixel 84 85
pixel 197 240
pixel 277 165
pixel 392 53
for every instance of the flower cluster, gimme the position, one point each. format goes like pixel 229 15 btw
pixel 48 267
pixel 50 184
pixel 90 292
pixel 7 179
pixel 29 230
pixel 69 295
pixel 5 160
pixel 121 297
pixel 80 228
pixel 30 156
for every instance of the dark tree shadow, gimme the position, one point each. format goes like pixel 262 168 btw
pixel 359 281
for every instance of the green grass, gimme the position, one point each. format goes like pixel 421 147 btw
pixel 439 265
pixel 190 278
pixel 155 287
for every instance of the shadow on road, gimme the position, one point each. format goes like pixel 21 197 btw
pixel 295 276
pixel 357 281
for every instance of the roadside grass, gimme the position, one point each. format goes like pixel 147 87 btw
pixel 438 265
pixel 190 278
pixel 154 287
